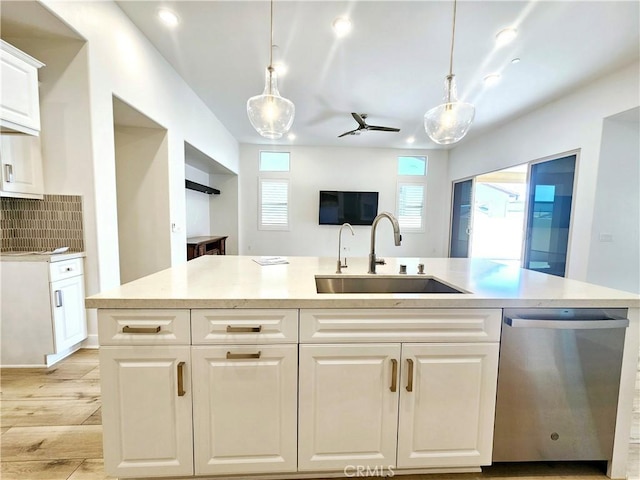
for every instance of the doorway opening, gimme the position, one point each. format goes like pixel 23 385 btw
pixel 498 215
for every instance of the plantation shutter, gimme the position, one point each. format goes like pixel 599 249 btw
pixel 410 206
pixel 274 203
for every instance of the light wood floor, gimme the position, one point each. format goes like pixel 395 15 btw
pixel 51 429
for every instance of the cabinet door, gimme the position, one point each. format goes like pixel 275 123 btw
pixel 146 415
pixel 348 407
pixel 245 408
pixel 21 166
pixel 67 305
pixel 447 404
pixel 19 107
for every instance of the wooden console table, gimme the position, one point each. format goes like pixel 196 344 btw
pixel 197 246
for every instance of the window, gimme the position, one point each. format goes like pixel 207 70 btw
pixel 274 161
pixel 412 171
pixel 413 166
pixel 273 191
pixel 274 204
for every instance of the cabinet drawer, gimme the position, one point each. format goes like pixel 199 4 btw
pixel 400 325
pixel 143 327
pixel 244 326
pixel 65 269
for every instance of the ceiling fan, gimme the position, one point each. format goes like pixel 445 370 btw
pixel 362 125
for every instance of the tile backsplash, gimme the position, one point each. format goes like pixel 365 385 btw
pixel 36 225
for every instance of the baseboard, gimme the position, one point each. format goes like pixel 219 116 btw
pixel 90 342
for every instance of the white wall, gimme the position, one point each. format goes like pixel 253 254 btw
pixel 573 122
pixel 198 216
pixel 124 64
pixel 369 169
pixel 614 257
pixel 224 209
pixel 143 205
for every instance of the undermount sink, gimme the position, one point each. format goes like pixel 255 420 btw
pixel 382 284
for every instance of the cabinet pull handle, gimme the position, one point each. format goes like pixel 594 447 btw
pixel 231 329
pixel 58 295
pixel 410 375
pixel 8 173
pixel 240 356
pixel 394 375
pixel 181 391
pixel 128 329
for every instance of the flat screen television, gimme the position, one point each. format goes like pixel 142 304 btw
pixel 356 208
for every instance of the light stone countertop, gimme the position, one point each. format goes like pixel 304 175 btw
pixel 229 281
pixel 38 257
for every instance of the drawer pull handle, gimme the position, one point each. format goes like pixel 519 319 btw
pixel 181 391
pixel 410 375
pixel 58 295
pixel 231 329
pixel 8 173
pixel 128 329
pixel 394 375
pixel 242 356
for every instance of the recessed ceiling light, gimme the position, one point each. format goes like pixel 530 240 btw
pixel 515 60
pixel 342 26
pixel 411 139
pixel 491 79
pixel 291 136
pixel 505 36
pixel 167 17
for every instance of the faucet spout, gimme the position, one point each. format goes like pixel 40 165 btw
pixel 340 265
pixel 397 238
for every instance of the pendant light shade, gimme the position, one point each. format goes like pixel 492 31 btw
pixel 270 114
pixel 449 122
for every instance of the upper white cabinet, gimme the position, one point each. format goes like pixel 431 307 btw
pixel 19 107
pixel 21 172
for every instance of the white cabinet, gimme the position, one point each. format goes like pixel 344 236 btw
pixel 146 392
pixel 348 405
pixel 21 172
pixel 19 103
pixel 245 409
pixel 146 410
pixel 67 305
pixel 245 380
pixel 447 404
pixel 43 314
pixel 409 405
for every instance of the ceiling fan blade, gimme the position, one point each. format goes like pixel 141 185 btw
pixel 349 133
pixel 358 119
pixel 384 129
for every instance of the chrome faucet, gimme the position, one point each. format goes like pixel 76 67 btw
pixel 396 237
pixel 340 265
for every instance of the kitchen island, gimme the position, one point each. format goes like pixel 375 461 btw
pixel 223 366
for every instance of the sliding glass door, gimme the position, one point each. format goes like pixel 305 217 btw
pixel 461 217
pixel 550 195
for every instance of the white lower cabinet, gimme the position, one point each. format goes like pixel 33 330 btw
pixel 207 392
pixel 447 404
pixel 376 407
pixel 146 410
pixel 348 405
pixel 245 408
pixel 67 305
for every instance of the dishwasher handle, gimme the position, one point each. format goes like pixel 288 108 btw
pixel 517 322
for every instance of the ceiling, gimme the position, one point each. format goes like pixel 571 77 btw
pixel 393 63
pixel 391 66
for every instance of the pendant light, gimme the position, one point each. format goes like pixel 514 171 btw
pixel 270 114
pixel 449 122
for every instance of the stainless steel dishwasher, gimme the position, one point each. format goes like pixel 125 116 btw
pixel 558 382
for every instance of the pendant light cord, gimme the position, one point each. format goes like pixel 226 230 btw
pixel 453 36
pixel 271 39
